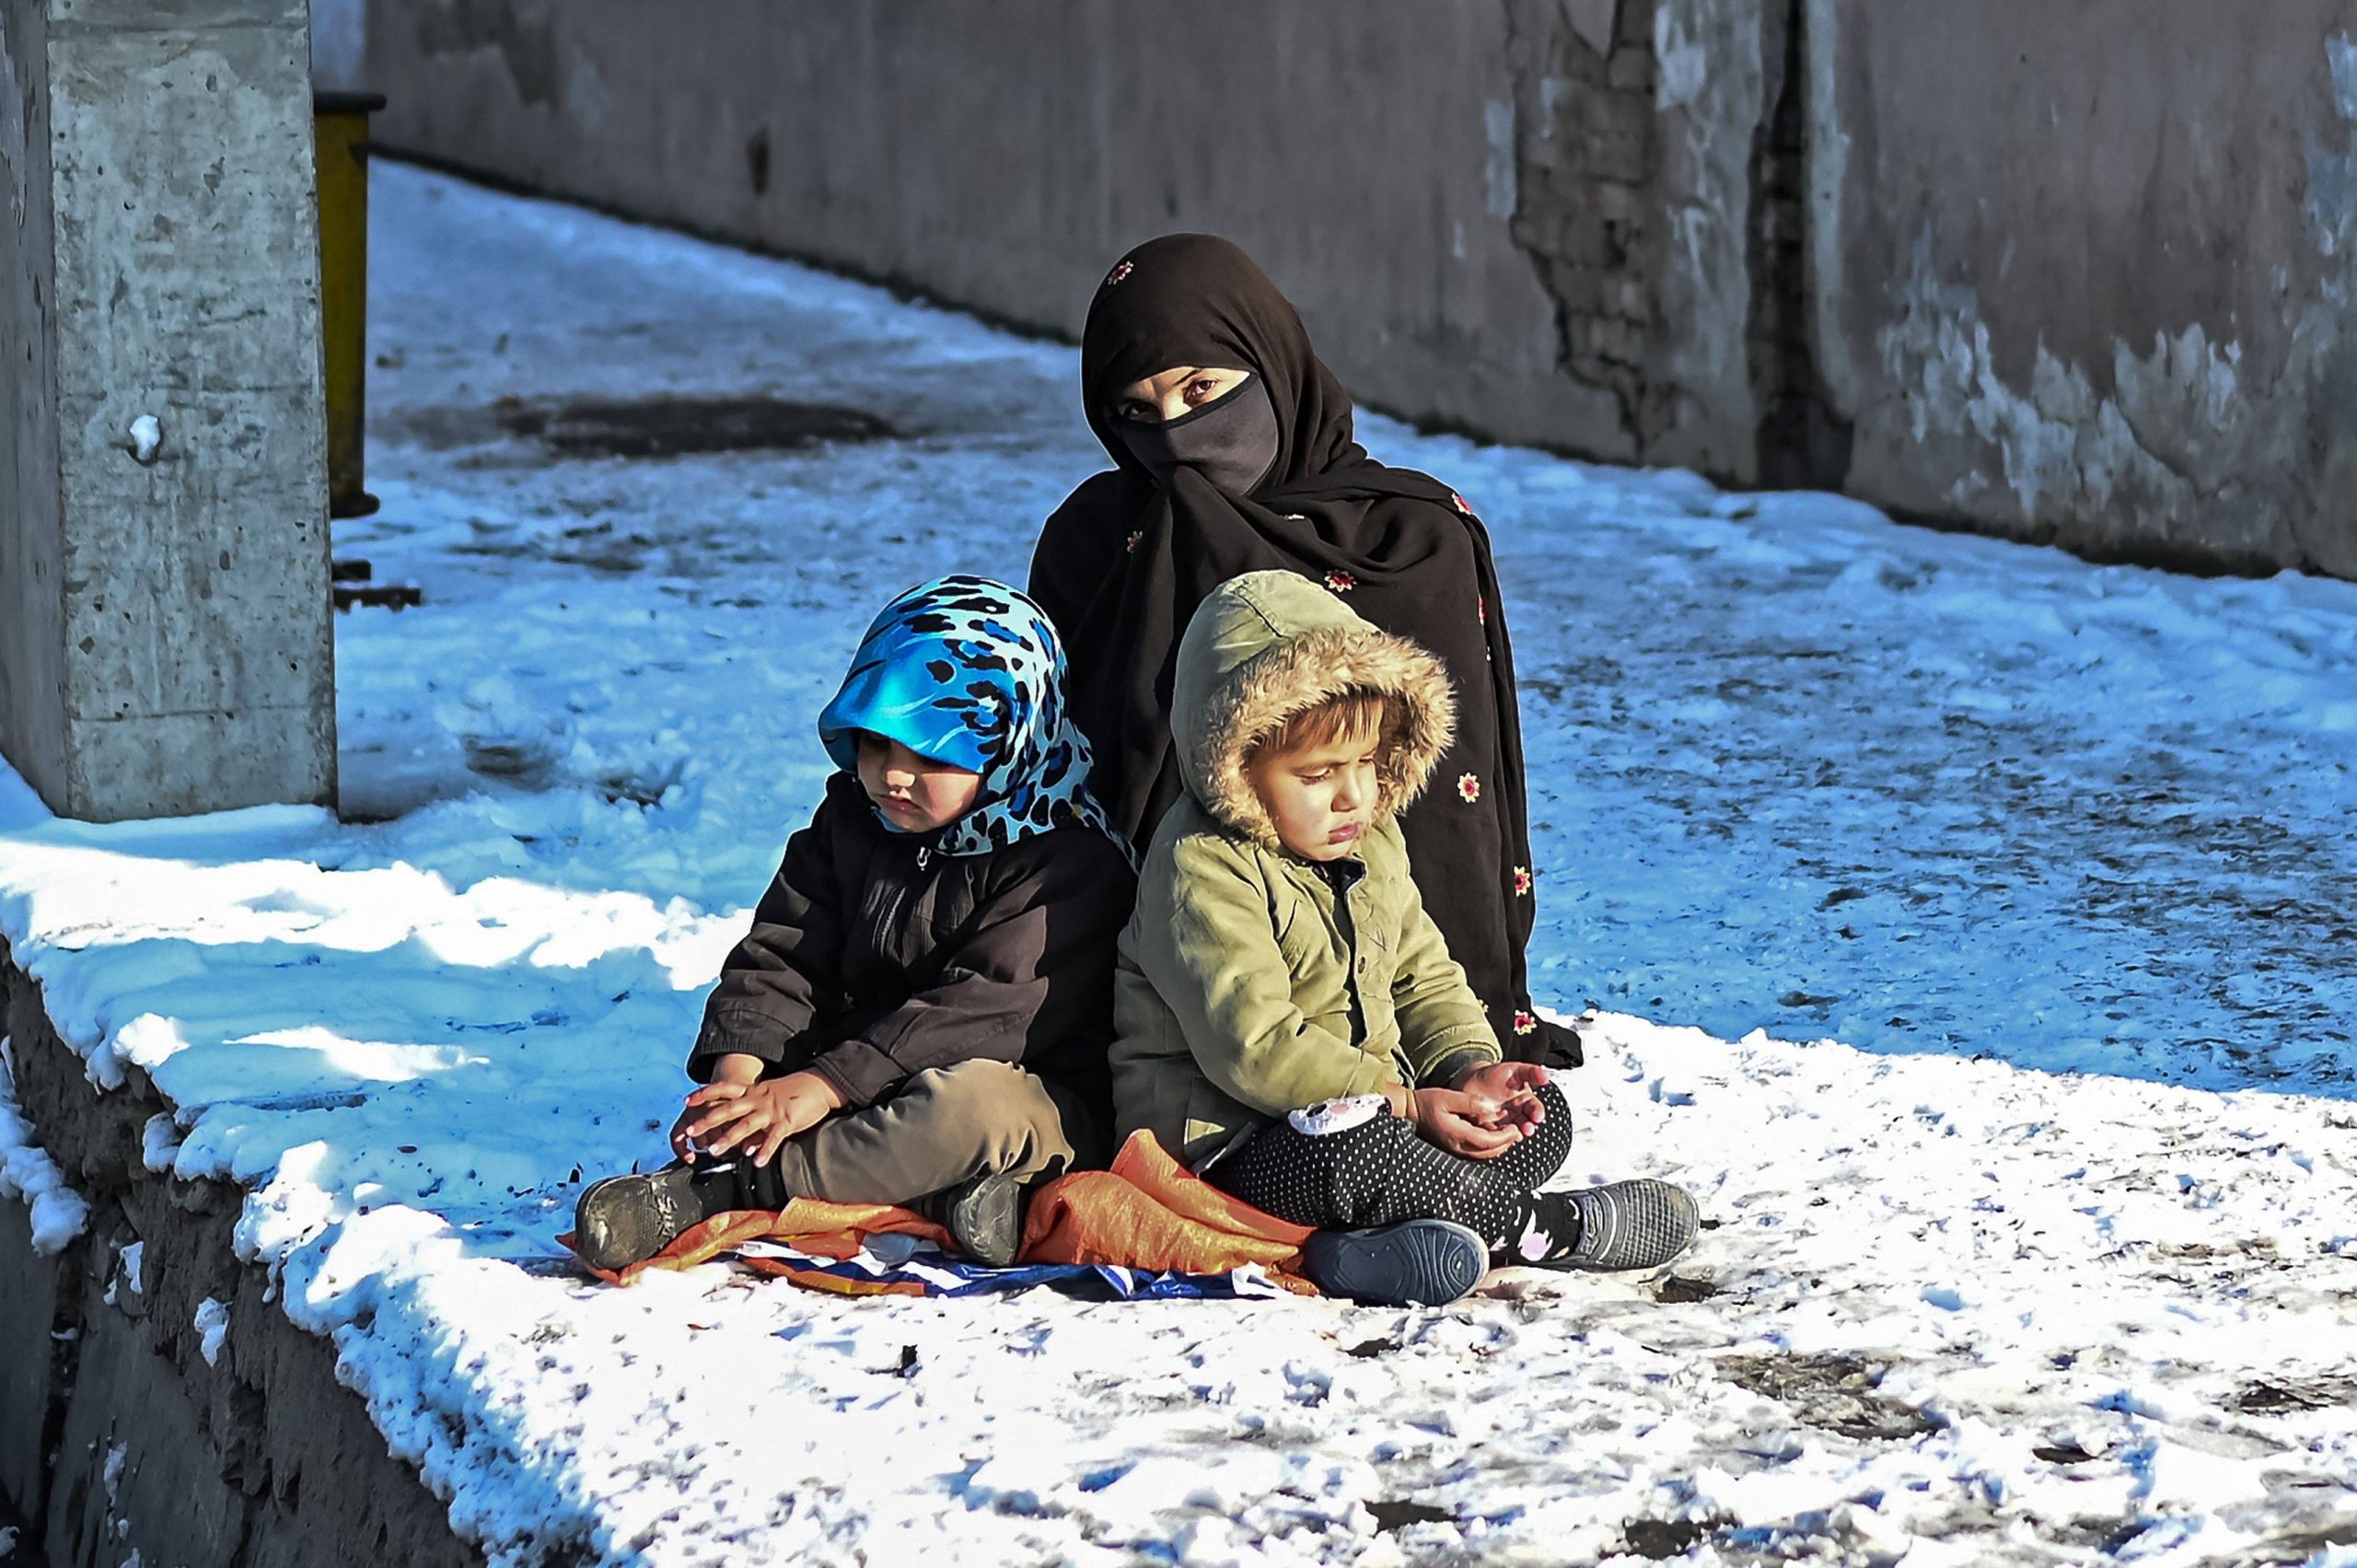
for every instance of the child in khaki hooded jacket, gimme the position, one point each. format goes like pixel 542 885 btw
pixel 1288 1019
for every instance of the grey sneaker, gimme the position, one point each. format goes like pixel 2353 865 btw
pixel 984 1216
pixel 1630 1224
pixel 1415 1262
pixel 627 1219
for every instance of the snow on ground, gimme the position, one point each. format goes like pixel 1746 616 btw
pixel 2054 1260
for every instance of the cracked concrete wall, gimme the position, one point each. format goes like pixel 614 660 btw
pixel 1712 93
pixel 164 577
pixel 2074 274
pixel 1635 122
pixel 1416 177
pixel 2084 275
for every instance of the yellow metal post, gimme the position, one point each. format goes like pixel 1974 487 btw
pixel 340 131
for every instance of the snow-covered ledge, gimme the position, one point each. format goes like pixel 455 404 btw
pixel 155 1405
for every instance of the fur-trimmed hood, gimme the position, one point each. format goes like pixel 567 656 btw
pixel 1267 645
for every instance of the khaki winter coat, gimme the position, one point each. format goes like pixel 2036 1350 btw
pixel 1251 981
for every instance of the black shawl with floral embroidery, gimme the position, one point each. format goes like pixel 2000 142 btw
pixel 1123 562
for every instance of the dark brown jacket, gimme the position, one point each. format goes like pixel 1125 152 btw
pixel 874 957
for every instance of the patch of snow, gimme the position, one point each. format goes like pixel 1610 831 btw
pixel 29 1174
pixel 212 1325
pixel 159 1143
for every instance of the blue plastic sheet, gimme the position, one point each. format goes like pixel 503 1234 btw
pixel 903 1261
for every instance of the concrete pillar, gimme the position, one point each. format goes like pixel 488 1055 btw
pixel 165 643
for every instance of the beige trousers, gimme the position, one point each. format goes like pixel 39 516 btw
pixel 942 1127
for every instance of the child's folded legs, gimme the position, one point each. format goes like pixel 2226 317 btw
pixel 1380 1172
pixel 1397 1214
pixel 937 1130
pixel 967 1142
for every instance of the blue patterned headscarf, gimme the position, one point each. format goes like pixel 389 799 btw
pixel 968 671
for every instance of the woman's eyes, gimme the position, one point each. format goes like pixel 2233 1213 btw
pixel 1196 393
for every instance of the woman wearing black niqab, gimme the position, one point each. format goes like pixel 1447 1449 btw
pixel 1266 475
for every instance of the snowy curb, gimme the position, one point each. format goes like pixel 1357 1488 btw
pixel 161 1409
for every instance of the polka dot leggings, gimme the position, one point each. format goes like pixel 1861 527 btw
pixel 1381 1172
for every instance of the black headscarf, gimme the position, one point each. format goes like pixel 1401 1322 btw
pixel 1124 561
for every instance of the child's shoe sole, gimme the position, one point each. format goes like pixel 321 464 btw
pixel 627 1219
pixel 1413 1263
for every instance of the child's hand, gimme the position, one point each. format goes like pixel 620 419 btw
pixel 753 1118
pixel 735 1068
pixel 1455 1121
pixel 1510 1091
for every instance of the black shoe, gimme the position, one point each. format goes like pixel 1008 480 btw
pixel 1628 1224
pixel 984 1216
pixel 1558 1046
pixel 1415 1262
pixel 627 1219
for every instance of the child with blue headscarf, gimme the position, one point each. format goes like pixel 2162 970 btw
pixel 921 1011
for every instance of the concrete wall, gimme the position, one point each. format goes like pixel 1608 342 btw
pixel 2070 273
pixel 2086 272
pixel 339 44
pixel 168 645
pixel 1413 175
pixel 32 586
